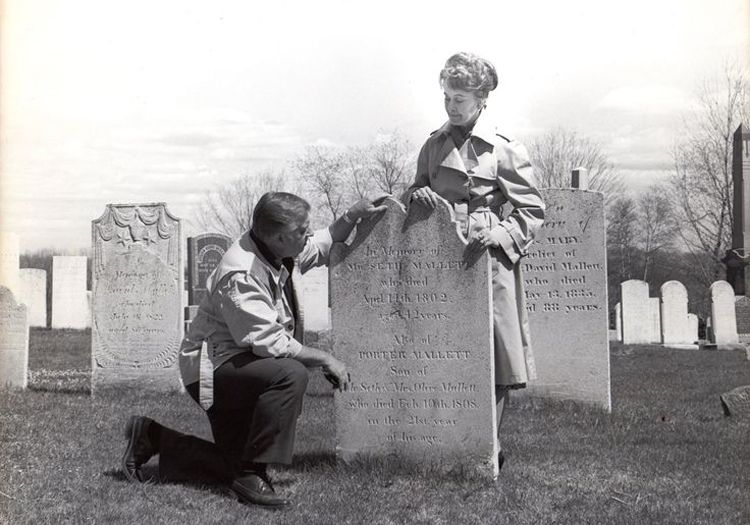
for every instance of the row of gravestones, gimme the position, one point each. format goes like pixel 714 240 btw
pixel 641 319
pixel 411 314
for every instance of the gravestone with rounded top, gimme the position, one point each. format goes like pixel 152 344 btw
pixel 636 321
pixel 565 280
pixel 204 254
pixel 14 343
pixel 137 297
pixel 33 285
pixel 723 320
pixel 674 314
pixel 9 261
pixel 70 308
pixel 412 317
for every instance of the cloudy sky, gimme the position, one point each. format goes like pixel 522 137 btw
pixel 146 101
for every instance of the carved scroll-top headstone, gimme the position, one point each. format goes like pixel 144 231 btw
pixel 411 317
pixel 137 295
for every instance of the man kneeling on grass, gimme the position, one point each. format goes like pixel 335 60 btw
pixel 242 358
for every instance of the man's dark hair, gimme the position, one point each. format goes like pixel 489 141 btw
pixel 277 211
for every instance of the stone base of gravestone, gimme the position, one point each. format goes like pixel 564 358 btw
pixel 736 402
pixel 14 342
pixel 682 346
pixel 412 318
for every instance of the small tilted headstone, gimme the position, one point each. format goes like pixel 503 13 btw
pixel 737 402
pixel 411 317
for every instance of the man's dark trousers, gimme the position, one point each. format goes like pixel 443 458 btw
pixel 253 420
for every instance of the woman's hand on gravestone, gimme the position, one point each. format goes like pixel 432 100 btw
pixel 481 240
pixel 425 196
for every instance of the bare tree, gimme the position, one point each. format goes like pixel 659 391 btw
pixel 229 208
pixel 558 152
pixel 656 226
pixel 321 170
pixel 702 177
pixel 622 231
pixel 392 162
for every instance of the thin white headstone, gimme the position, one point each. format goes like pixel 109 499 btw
pixel 723 316
pixel 33 284
pixel 70 308
pixel 14 343
pixel 674 312
pixel 312 290
pixel 618 321
pixel 636 321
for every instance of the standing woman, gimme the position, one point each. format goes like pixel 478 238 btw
pixel 477 171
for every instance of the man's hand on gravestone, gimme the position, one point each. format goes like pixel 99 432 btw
pixel 425 196
pixel 365 208
pixel 335 372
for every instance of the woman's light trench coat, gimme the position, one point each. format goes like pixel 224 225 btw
pixel 478 177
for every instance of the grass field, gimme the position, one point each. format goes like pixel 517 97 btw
pixel 666 454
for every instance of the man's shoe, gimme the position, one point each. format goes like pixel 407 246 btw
pixel 255 489
pixel 139 449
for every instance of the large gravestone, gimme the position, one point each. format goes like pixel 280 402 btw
pixel 14 343
pixel 204 254
pixel 654 320
pixel 565 278
pixel 723 320
pixel 674 314
pixel 33 293
pixel 636 324
pixel 412 318
pixel 9 261
pixel 70 308
pixel 137 297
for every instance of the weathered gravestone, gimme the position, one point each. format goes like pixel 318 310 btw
pixel 636 324
pixel 137 297
pixel 14 343
pixel 412 318
pixel 70 306
pixel 674 314
pixel 742 314
pixel 204 254
pixel 654 320
pixel 565 278
pixel 9 261
pixel 33 286
pixel 723 320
